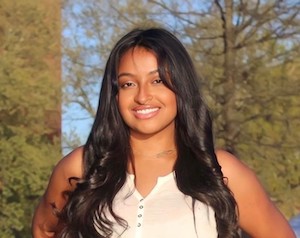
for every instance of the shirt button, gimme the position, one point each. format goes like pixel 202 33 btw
pixel 139 224
pixel 141 207
pixel 140 215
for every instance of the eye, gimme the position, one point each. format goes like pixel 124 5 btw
pixel 127 85
pixel 157 81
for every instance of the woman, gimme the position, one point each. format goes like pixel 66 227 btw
pixel 149 167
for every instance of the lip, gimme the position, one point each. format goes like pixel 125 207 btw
pixel 145 112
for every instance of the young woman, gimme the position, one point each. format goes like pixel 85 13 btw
pixel 149 167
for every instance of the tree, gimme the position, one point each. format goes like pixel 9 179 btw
pixel 247 53
pixel 29 97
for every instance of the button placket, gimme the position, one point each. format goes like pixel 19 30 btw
pixel 140 213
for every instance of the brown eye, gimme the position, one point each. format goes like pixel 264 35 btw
pixel 157 81
pixel 127 85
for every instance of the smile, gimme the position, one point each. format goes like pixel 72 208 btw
pixel 147 110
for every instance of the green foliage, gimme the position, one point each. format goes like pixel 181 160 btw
pixel 27 94
pixel 25 168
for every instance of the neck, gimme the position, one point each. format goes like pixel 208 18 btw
pixel 155 147
pixel 161 154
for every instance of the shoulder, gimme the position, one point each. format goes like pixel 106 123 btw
pixel 241 180
pixel 231 165
pixel 68 167
pixel 71 165
pixel 45 220
pixel 257 214
pixel 239 177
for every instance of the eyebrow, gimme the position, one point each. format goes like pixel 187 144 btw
pixel 132 75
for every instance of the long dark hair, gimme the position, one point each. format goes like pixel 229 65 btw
pixel 107 150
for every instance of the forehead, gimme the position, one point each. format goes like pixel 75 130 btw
pixel 138 59
pixel 137 51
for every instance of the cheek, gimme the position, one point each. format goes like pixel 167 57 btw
pixel 171 98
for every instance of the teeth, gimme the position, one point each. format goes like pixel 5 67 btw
pixel 146 111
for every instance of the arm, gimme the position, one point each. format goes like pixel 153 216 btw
pixel 45 222
pixel 258 216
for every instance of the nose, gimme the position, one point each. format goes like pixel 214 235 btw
pixel 143 95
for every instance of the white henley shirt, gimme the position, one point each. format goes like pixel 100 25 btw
pixel 164 213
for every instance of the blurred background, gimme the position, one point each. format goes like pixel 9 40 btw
pixel 52 57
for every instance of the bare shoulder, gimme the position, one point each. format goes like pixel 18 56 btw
pixel 45 220
pixel 232 167
pixel 60 181
pixel 257 214
pixel 68 167
pixel 71 164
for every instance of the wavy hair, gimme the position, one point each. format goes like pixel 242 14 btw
pixel 107 150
